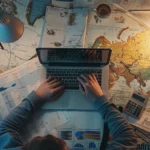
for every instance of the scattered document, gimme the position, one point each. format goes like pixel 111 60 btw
pixel 15 85
pixel 64 27
pixel 84 130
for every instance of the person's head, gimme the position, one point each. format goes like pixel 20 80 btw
pixel 48 142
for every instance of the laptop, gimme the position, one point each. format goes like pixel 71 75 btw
pixel 67 64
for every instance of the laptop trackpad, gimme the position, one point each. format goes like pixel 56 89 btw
pixel 70 100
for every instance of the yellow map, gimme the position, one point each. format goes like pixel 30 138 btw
pixel 130 59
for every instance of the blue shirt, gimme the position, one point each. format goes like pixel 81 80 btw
pixel 124 137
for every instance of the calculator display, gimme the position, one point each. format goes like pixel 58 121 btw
pixel 137 97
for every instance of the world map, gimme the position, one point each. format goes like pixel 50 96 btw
pixel 14 54
pixel 128 39
pixel 31 13
pixel 132 58
pixel 129 67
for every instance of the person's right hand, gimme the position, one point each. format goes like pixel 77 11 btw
pixel 90 87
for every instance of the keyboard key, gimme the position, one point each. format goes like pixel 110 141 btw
pixel 69 76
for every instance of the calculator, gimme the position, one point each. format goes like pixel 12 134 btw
pixel 136 104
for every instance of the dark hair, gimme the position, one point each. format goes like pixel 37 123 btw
pixel 48 142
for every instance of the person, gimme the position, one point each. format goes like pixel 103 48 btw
pixel 10 139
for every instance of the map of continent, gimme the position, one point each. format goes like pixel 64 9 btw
pixel 132 57
pixel 36 9
pixel 129 67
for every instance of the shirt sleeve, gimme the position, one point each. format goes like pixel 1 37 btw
pixel 124 137
pixel 11 125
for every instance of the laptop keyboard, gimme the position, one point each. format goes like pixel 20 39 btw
pixel 69 76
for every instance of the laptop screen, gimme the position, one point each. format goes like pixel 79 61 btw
pixel 74 56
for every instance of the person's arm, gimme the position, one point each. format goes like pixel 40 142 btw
pixel 123 134
pixel 10 127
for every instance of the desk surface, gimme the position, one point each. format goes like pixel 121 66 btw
pixel 129 67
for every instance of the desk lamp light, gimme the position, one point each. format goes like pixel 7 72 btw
pixel 11 28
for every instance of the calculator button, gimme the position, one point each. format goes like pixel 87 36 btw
pixel 138 111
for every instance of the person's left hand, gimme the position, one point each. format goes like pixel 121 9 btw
pixel 50 90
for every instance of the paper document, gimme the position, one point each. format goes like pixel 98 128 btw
pixel 15 85
pixel 45 123
pixel 84 130
pixel 143 16
pixel 64 27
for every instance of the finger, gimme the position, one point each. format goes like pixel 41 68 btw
pixel 81 81
pixel 81 88
pixel 58 94
pixel 53 81
pixel 60 88
pixel 93 76
pixel 49 79
pixel 90 77
pixel 85 77
pixel 56 84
